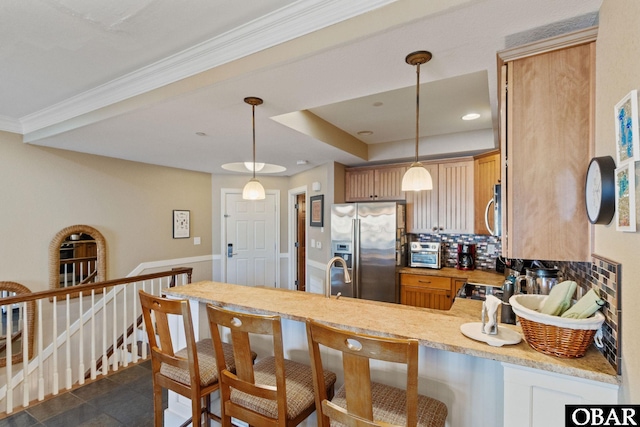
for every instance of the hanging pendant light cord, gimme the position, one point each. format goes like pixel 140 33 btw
pixel 417 108
pixel 253 126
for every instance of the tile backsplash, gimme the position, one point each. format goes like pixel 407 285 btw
pixel 488 248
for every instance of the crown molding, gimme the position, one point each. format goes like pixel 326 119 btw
pixel 9 124
pixel 300 18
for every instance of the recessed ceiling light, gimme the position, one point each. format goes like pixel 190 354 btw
pixel 365 133
pixel 302 162
pixel 201 134
pixel 471 116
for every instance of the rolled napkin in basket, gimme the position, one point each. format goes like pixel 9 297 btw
pixel 489 312
pixel 585 307
pixel 559 298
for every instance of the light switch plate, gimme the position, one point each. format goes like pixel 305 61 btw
pixel 196 240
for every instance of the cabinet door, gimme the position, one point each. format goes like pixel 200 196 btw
pixel 426 291
pixel 486 171
pixel 388 183
pixel 455 197
pixel 359 185
pixel 422 206
pixel 548 142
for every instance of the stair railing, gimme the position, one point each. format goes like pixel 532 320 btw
pixel 98 329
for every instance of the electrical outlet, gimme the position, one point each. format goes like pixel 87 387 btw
pixel 319 244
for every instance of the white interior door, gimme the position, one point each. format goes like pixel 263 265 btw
pixel 250 240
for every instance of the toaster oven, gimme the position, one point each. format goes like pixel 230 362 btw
pixel 425 254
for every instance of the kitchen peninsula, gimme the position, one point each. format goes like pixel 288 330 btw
pixel 480 384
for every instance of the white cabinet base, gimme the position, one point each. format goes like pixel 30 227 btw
pixel 535 398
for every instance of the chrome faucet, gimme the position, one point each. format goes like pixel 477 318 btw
pixel 327 280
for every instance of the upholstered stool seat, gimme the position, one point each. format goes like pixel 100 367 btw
pixel 389 405
pixel 299 385
pixel 206 362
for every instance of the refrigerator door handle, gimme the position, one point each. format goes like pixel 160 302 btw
pixel 355 280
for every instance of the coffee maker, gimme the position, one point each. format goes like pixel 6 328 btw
pixel 466 256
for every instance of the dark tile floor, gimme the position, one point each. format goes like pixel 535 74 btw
pixel 124 398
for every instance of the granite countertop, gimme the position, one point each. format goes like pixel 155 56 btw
pixel 432 328
pixel 483 277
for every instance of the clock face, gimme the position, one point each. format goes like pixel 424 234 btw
pixel 600 190
pixel 593 191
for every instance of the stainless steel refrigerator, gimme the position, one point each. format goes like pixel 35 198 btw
pixel 370 237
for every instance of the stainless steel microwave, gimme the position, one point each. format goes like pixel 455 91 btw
pixel 425 254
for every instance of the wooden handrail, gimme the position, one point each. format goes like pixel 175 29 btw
pixel 87 288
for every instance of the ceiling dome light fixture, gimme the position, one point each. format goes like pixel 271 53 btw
pixel 471 116
pixel 253 190
pixel 254 166
pixel 417 178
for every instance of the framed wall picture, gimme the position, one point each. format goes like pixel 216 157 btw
pixel 180 224
pixel 627 138
pixel 626 197
pixel 317 211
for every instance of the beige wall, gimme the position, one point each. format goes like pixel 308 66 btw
pixel 618 72
pixel 43 190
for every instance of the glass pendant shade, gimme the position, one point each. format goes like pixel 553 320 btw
pixel 253 190
pixel 417 178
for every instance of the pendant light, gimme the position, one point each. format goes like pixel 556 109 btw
pixel 417 178
pixel 253 190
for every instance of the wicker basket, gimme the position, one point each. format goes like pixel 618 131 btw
pixel 554 335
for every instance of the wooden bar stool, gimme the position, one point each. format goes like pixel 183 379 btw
pixel 273 392
pixel 361 402
pixel 191 371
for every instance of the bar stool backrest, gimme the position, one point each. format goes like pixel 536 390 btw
pixel 357 350
pixel 241 325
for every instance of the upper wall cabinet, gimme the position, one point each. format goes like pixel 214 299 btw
pixel 486 169
pixel 379 183
pixel 448 208
pixel 547 123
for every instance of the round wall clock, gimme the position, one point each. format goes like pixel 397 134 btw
pixel 599 193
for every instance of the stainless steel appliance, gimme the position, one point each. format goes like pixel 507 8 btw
pixel 538 280
pixel 425 254
pixel 371 238
pixel 496 228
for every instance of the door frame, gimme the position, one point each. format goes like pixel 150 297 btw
pixel 293 193
pixel 223 230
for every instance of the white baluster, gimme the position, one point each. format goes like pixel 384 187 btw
pixel 125 358
pixel 25 355
pixel 8 353
pixel 105 359
pixel 55 346
pixel 144 327
pixel 134 307
pixel 40 346
pixel 81 341
pixel 114 328
pixel 93 334
pixel 67 343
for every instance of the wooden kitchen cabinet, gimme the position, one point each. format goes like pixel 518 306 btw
pixel 426 291
pixel 448 208
pixel 486 170
pixel 380 183
pixel 547 127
